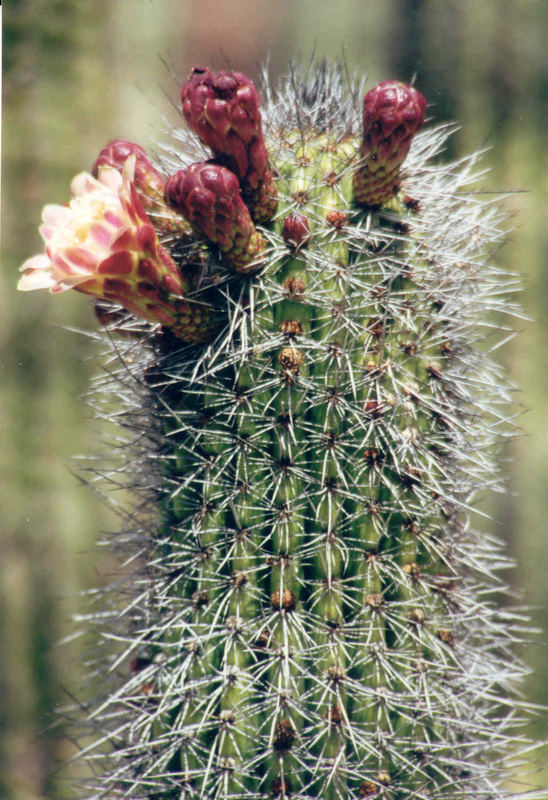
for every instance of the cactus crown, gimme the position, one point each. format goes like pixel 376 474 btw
pixel 310 615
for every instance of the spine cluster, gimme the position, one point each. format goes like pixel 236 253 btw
pixel 310 612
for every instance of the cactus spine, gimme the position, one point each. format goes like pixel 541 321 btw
pixel 309 615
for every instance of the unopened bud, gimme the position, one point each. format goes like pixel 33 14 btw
pixel 209 197
pixel 146 179
pixel 392 113
pixel 296 230
pixel 223 110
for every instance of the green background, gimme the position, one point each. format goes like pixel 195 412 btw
pixel 77 74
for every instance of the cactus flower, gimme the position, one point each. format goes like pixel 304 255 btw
pixel 392 113
pixel 222 108
pixel 103 244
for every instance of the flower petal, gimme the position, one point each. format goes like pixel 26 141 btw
pixel 103 244
pixel 101 235
pixel 126 240
pixel 55 215
pixel 110 178
pixel 80 260
pixel 39 261
pixel 35 279
pixel 83 184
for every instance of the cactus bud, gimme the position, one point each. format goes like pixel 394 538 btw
pixel 209 197
pixel 296 230
pixel 392 113
pixel 147 180
pixel 223 109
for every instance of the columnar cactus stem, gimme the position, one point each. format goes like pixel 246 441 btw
pixel 309 617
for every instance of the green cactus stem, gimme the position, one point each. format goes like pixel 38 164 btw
pixel 309 613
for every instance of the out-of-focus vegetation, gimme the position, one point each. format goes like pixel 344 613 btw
pixel 79 74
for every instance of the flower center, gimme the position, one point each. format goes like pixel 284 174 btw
pixel 87 211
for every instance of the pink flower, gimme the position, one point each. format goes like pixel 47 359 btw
pixel 103 244
pixel 103 235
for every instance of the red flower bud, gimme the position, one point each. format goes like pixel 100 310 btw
pixel 392 113
pixel 209 197
pixel 296 230
pixel 223 109
pixel 147 180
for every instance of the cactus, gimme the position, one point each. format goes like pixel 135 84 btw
pixel 307 411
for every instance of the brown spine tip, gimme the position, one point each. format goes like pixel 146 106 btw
pixel 434 370
pixel 373 457
pixel 411 478
pixel 240 579
pixel 291 327
pixel 368 789
pixel 416 615
pixel 286 601
pixel 336 673
pixel 412 204
pixel 375 601
pixel 148 689
pixel 334 715
pixel 108 314
pixel 373 408
pixel 295 288
pixel 447 637
pixel 412 570
pixel 291 360
pixel 281 788
pixel 199 600
pixel 138 664
pixel 337 219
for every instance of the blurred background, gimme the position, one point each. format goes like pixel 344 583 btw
pixel 79 74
